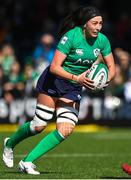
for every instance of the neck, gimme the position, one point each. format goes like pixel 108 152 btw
pixel 86 35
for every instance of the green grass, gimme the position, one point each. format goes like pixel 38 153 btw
pixel 82 156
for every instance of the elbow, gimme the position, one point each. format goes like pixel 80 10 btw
pixel 52 68
pixel 113 73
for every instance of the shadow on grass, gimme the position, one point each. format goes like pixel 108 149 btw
pixel 44 172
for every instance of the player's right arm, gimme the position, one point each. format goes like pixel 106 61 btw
pixel 57 69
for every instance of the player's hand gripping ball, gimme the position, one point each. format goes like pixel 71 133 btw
pixel 99 74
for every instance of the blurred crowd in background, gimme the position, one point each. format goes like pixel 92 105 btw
pixel 28 38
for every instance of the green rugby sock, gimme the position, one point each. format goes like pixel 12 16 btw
pixel 22 133
pixel 45 145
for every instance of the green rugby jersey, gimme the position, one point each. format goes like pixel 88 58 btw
pixel 82 52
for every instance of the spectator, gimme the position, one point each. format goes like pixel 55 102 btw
pixel 30 78
pixel 124 61
pixel 44 51
pixel 116 88
pixel 3 79
pixel 8 58
pixel 15 83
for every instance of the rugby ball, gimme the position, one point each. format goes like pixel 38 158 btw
pixel 99 74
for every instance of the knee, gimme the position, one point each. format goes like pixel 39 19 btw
pixel 67 117
pixel 42 116
pixel 65 128
pixel 37 126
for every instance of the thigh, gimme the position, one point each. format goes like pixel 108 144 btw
pixel 63 102
pixel 46 100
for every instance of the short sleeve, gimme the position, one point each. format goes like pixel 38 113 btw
pixel 106 47
pixel 66 42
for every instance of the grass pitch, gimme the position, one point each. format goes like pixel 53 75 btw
pixel 96 155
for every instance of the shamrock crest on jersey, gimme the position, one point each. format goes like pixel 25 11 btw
pixel 96 52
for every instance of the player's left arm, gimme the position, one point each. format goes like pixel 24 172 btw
pixel 109 61
pixel 108 57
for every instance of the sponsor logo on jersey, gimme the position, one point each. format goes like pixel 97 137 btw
pixel 79 51
pixel 86 61
pixel 96 52
pixel 64 39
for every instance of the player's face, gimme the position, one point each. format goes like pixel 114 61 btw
pixel 93 26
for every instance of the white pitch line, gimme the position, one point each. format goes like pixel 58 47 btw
pixel 77 155
pixel 111 137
